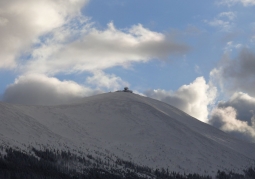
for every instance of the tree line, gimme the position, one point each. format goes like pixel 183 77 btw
pixel 65 165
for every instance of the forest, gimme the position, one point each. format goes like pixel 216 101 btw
pixel 15 164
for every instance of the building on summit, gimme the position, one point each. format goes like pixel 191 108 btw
pixel 125 90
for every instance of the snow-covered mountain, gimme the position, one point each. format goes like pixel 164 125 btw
pixel 132 127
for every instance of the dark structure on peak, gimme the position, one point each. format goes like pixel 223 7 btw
pixel 125 90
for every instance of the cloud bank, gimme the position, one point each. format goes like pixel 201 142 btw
pixel 193 99
pixel 37 89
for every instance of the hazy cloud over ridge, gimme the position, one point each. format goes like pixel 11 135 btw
pixel 37 89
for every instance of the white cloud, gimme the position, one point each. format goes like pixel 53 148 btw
pixel 106 81
pixel 56 37
pixel 236 116
pixel 93 49
pixel 224 21
pixel 37 89
pixel 231 45
pixel 197 69
pixel 233 2
pixel 47 37
pixel 193 99
pixel 230 15
pixel 22 22
pixel 221 24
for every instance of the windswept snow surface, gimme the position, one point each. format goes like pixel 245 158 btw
pixel 134 128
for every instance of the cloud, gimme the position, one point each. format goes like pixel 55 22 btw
pixel 193 99
pixel 236 79
pixel 235 75
pixel 37 89
pixel 236 116
pixel 47 37
pixel 22 22
pixel 230 46
pixel 106 81
pixel 233 2
pixel 91 49
pixel 198 69
pixel 230 15
pixel 224 21
pixel 224 25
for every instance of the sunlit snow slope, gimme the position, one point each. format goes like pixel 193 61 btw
pixel 139 129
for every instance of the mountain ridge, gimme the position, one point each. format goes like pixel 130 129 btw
pixel 140 129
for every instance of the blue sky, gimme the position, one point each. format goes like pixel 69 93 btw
pixel 195 55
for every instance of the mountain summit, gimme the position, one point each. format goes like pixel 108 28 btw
pixel 129 126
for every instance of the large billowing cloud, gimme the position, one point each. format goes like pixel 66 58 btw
pixel 36 89
pixel 91 49
pixel 22 22
pixel 236 116
pixel 194 98
pixel 236 75
pixel 236 78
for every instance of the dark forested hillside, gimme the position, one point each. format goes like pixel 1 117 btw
pixel 64 165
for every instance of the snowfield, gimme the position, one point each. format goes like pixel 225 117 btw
pixel 129 126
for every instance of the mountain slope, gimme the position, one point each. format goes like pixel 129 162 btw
pixel 129 126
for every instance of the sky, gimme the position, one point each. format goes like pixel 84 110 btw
pixel 198 56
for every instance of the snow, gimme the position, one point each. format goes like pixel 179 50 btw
pixel 130 126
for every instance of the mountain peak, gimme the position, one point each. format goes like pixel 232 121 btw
pixel 133 127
